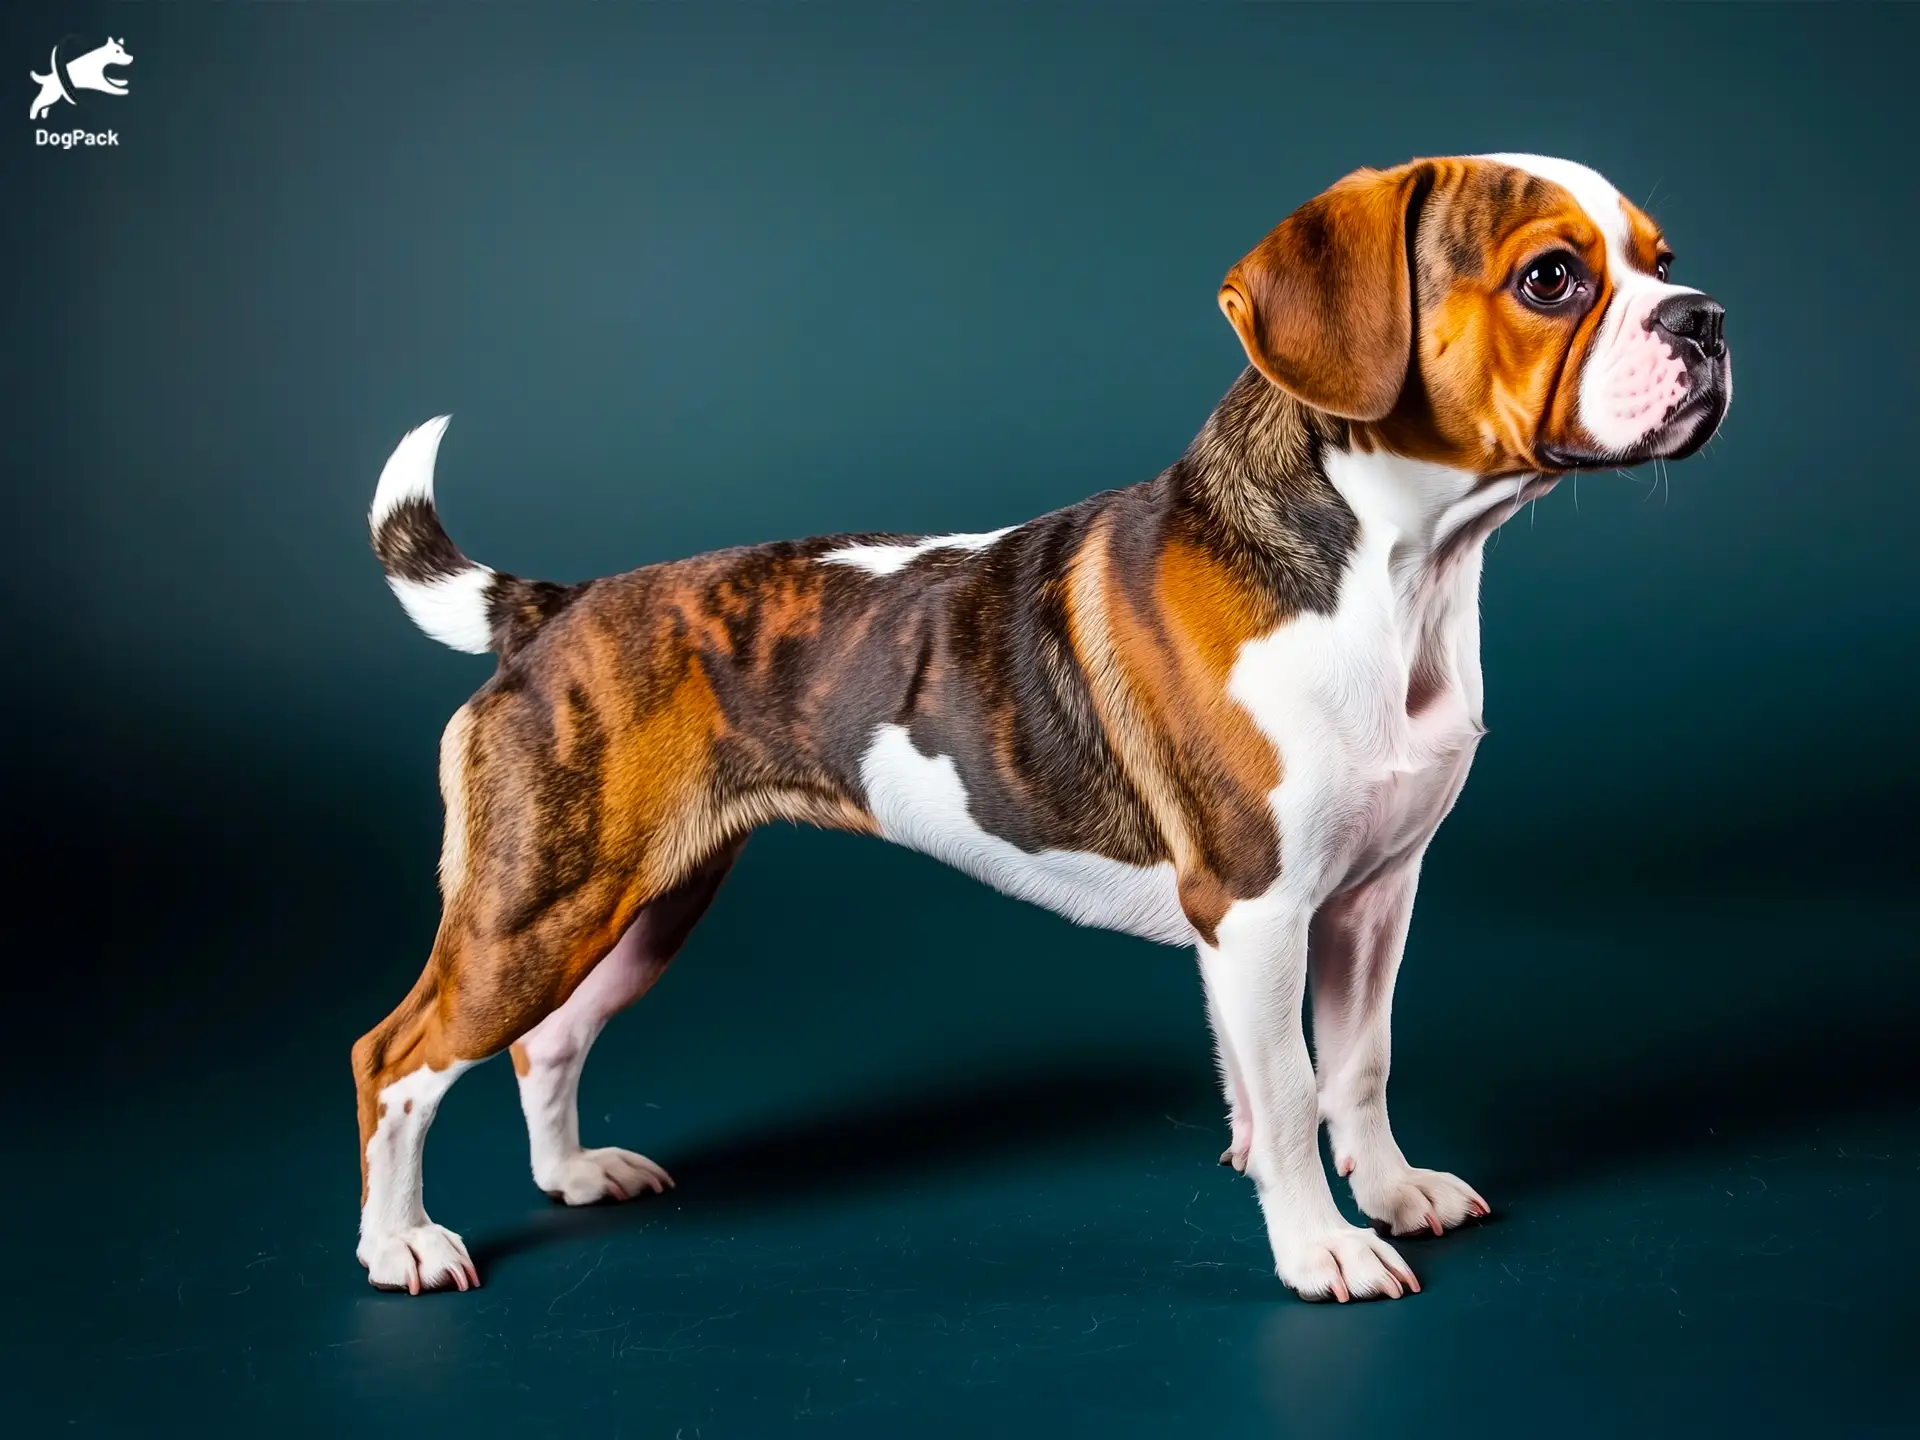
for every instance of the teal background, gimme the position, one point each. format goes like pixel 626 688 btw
pixel 688 277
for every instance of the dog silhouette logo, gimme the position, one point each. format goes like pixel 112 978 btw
pixel 83 72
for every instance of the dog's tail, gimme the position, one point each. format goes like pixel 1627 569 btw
pixel 457 601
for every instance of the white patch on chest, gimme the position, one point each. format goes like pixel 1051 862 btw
pixel 919 801
pixel 1364 784
pixel 886 559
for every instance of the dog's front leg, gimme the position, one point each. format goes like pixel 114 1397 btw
pixel 1356 944
pixel 1256 974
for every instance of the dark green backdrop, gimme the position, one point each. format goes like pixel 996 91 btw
pixel 690 277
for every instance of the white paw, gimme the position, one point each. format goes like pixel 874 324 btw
pixel 427 1257
pixel 589 1176
pixel 1408 1201
pixel 1351 1263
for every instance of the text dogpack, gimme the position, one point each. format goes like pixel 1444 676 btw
pixel 68 139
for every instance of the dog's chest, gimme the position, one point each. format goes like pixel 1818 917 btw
pixel 1374 710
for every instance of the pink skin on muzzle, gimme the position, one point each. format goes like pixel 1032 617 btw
pixel 1635 380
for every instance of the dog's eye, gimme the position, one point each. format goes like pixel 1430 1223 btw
pixel 1548 281
pixel 1661 267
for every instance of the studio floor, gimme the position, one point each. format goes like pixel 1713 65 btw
pixel 950 1226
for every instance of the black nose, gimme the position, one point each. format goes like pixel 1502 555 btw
pixel 1699 318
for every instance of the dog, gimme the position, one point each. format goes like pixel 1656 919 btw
pixel 1226 708
pixel 87 72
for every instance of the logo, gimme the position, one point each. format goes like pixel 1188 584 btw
pixel 82 72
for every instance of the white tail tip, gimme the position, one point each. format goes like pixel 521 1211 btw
pixel 408 473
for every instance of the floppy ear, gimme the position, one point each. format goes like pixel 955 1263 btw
pixel 1324 304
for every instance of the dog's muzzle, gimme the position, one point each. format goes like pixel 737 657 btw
pixel 1694 327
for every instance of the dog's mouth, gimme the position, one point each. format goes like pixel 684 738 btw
pixel 1689 425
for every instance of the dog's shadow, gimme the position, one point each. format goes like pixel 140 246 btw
pixel 988 1124
pixel 1550 1129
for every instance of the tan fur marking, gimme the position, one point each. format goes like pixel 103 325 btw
pixel 1645 244
pixel 453 796
pixel 1189 749
pixel 1207 608
pixel 1493 379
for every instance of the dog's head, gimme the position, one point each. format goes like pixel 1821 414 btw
pixel 1497 313
pixel 97 62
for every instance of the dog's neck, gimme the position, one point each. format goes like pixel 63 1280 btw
pixel 1284 491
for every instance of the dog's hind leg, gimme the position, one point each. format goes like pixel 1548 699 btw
pixel 580 807
pixel 402 1068
pixel 481 989
pixel 549 1058
pixel 486 985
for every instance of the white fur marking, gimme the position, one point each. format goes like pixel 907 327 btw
pixel 1632 380
pixel 920 802
pixel 887 559
pixel 399 1245
pixel 408 473
pixel 1365 782
pixel 452 609
pixel 393 1152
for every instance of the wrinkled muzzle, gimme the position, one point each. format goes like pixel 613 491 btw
pixel 1656 383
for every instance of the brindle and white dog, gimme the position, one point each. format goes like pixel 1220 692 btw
pixel 1225 708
